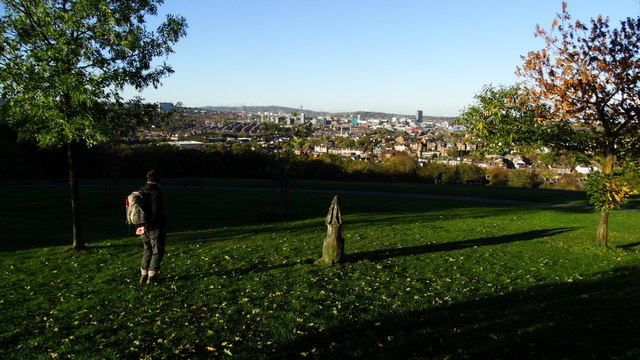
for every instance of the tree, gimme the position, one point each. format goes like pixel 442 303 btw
pixel 173 119
pixel 401 166
pixel 365 142
pixel 453 152
pixel 590 78
pixel 64 63
pixel 503 119
pixel 498 176
pixel 524 178
pixel 580 95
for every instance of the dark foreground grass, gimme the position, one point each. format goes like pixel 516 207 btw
pixel 421 279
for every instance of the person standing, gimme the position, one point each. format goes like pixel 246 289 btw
pixel 153 233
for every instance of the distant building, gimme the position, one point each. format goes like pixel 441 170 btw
pixel 164 106
pixel 419 116
pixel 187 144
pixel 584 169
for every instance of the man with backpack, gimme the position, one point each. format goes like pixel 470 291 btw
pixel 152 233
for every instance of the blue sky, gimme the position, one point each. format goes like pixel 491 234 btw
pixel 394 56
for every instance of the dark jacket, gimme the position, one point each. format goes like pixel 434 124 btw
pixel 157 219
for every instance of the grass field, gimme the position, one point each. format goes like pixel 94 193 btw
pixel 423 278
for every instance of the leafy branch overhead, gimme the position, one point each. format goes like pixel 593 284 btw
pixel 61 61
pixel 63 64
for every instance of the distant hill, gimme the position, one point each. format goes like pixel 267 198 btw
pixel 288 110
pixel 268 109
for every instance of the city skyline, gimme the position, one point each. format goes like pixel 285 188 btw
pixel 347 56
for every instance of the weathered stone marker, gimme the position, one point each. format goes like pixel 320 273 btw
pixel 333 247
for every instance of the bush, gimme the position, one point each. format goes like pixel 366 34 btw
pixel 498 176
pixel 364 170
pixel 429 173
pixel 572 181
pixel 524 178
pixel 631 177
pixel 546 185
pixel 468 172
pixel 401 167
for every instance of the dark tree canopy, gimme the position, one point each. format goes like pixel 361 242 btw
pixel 63 63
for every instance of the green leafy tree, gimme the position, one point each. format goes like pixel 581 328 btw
pixel 173 119
pixel 453 152
pixel 498 176
pixel 365 143
pixel 524 178
pixel 429 172
pixel 580 95
pixel 502 119
pixel 468 172
pixel 402 166
pixel 344 142
pixel 64 63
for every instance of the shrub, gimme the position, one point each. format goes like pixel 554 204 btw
pixel 467 172
pixel 364 170
pixel 524 178
pixel 546 185
pixel 429 173
pixel 572 181
pixel 498 176
pixel 401 166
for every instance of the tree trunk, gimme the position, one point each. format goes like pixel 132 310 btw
pixel 603 219
pixel 603 228
pixel 75 201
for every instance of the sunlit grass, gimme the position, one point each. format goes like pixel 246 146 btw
pixel 421 278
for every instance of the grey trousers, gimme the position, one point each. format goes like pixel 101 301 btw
pixel 153 249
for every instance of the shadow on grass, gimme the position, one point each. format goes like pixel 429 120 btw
pixel 377 255
pixel 136 243
pixel 103 212
pixel 629 246
pixel 595 318
pixel 239 272
pixel 451 246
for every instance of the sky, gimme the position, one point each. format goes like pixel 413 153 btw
pixel 392 56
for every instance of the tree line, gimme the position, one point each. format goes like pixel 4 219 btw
pixel 115 161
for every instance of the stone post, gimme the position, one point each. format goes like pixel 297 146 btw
pixel 333 247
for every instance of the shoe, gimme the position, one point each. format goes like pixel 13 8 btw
pixel 152 280
pixel 143 279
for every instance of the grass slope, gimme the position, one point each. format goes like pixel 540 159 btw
pixel 422 279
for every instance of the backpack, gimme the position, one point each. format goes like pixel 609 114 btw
pixel 136 205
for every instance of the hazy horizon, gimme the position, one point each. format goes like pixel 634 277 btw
pixel 346 56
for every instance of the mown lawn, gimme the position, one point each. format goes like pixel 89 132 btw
pixel 421 279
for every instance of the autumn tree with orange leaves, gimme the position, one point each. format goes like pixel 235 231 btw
pixel 581 93
pixel 588 75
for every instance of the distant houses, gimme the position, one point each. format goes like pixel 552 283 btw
pixel 188 144
pixel 438 141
